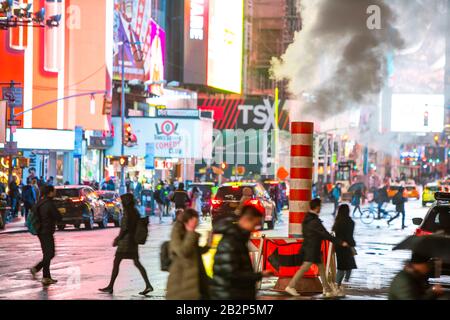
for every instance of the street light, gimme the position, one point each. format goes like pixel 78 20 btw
pixel 122 188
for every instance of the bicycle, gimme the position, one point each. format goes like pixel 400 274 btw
pixel 369 215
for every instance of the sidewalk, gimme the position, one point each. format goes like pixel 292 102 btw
pixel 17 226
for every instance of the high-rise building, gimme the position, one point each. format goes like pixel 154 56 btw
pixel 270 28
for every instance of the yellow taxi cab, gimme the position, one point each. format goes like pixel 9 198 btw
pixel 428 193
pixel 411 190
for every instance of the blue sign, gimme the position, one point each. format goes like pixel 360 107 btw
pixel 78 149
pixel 150 156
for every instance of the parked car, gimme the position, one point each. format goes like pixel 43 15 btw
pixel 80 205
pixel 429 192
pixel 229 195
pixel 208 190
pixel 431 224
pixel 113 206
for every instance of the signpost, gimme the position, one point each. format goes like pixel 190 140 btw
pixel 14 123
pixel 13 95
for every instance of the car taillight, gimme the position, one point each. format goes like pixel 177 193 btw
pixel 81 199
pixel 216 203
pixel 420 233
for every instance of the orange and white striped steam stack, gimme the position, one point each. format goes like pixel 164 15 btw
pixel 301 175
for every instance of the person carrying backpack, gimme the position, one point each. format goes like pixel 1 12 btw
pixel 181 198
pixel 47 216
pixel 399 201
pixel 127 244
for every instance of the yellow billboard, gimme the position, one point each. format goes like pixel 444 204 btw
pixel 225 44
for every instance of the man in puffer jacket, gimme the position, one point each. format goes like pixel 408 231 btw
pixel 234 278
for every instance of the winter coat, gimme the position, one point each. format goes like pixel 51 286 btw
pixel 48 216
pixel 336 193
pixel 28 195
pixel 234 278
pixel 409 285
pixel 382 196
pixel 181 199
pixel 344 230
pixel 399 201
pixel 314 233
pixel 187 276
pixel 127 247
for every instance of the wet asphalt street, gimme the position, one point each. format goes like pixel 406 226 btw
pixel 84 261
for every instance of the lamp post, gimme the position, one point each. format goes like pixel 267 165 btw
pixel 122 188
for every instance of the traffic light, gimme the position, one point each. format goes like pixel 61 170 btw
pixel 123 161
pixel 129 138
pixel 436 139
pixel 224 166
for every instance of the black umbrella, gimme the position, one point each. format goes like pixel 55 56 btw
pixel 356 186
pixel 434 246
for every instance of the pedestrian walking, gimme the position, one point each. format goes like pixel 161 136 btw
pixel 234 277
pixel 399 201
pixel 14 197
pixel 158 195
pixel 356 200
pixel 29 198
pixel 381 197
pixel 180 198
pixel 196 199
pixel 48 216
pixel 187 275
pixel 336 195
pixel 127 246
pixel 344 228
pixel 137 189
pixel 412 282
pixel 313 234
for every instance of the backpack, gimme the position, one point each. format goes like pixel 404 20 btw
pixel 181 199
pixel 141 231
pixel 397 199
pixel 164 256
pixel 33 223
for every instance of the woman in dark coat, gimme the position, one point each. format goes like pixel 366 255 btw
pixel 344 227
pixel 127 247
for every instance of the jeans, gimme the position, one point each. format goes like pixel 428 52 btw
pixel 336 207
pixel 14 207
pixel 341 274
pixel 403 218
pixel 48 252
pixel 304 268
pixel 381 211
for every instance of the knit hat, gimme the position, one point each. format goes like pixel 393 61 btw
pixel 419 258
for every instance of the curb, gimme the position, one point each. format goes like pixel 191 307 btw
pixel 13 231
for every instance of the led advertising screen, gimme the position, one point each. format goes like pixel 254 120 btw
pixel 195 41
pixel 225 45
pixel 417 113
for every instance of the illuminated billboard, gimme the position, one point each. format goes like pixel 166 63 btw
pixel 195 41
pixel 225 44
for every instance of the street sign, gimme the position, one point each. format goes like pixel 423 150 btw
pixel 14 123
pixel 14 96
pixel 11 148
